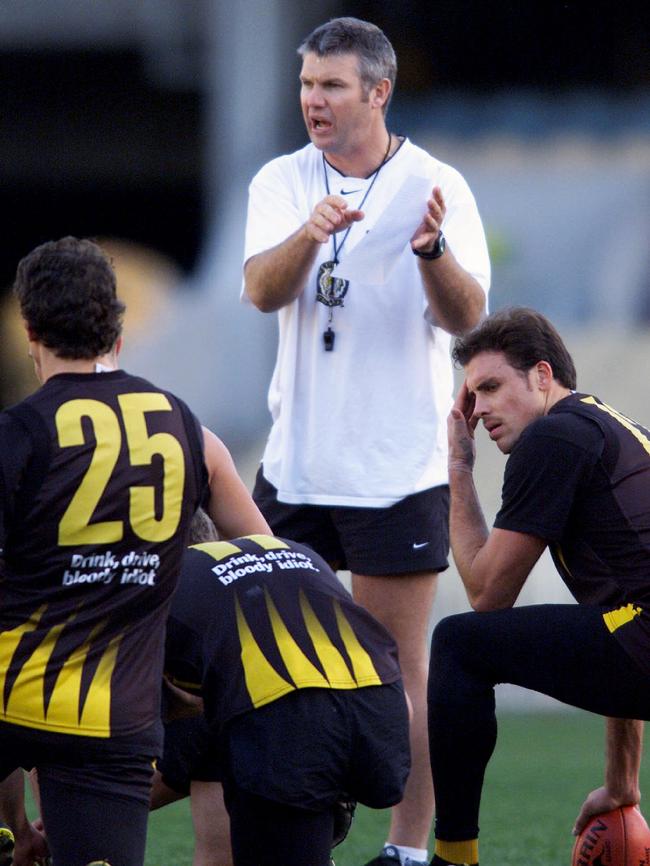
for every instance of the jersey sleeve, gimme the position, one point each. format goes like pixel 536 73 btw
pixel 544 474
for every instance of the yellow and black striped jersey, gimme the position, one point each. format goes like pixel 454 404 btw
pixel 579 478
pixel 100 475
pixel 259 617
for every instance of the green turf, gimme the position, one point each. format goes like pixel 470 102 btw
pixel 543 767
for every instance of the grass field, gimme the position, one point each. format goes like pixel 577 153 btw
pixel 543 767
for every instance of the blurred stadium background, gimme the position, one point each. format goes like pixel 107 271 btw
pixel 141 123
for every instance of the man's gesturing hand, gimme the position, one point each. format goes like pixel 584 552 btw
pixel 330 215
pixel 427 232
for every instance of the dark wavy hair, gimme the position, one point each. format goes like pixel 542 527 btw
pixel 67 295
pixel 353 36
pixel 525 337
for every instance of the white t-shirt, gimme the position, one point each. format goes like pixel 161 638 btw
pixel 364 424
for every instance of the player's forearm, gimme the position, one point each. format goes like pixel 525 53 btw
pixel 455 298
pixel 468 529
pixel 624 746
pixel 276 277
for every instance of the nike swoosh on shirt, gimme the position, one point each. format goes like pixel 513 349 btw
pixel 417 546
pixel 349 191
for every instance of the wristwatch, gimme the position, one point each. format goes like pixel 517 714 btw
pixel 436 252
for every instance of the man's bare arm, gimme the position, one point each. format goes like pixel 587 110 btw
pixel 231 507
pixel 623 749
pixel 493 565
pixel 455 297
pixel 277 276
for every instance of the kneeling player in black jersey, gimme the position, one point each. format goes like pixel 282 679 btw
pixel 100 475
pixel 302 692
pixel 578 481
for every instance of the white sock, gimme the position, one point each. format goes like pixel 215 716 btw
pixel 420 855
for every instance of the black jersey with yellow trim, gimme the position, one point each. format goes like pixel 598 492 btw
pixel 259 617
pixel 95 516
pixel 579 478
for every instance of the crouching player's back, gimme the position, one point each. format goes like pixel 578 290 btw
pixel 302 693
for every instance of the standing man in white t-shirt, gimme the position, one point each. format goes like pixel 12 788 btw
pixel 344 240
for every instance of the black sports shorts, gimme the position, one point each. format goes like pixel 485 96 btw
pixel 309 748
pixel 190 753
pixel 410 536
pixel 94 796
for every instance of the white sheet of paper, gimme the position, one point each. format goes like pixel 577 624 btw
pixel 373 258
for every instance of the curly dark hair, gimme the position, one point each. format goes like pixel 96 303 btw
pixel 525 337
pixel 67 296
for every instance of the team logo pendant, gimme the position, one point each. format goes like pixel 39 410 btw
pixel 330 290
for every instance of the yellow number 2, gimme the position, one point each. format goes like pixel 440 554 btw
pixel 75 527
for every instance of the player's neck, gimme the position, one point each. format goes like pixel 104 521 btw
pixel 366 159
pixel 558 392
pixel 47 364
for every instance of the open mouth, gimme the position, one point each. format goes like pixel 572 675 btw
pixel 319 125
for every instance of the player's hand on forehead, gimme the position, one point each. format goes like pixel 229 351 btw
pixel 465 402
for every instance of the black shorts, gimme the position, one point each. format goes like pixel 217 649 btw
pixel 112 767
pixel 94 796
pixel 311 747
pixel 190 754
pixel 410 536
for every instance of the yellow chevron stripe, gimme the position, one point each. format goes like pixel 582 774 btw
pixel 301 670
pixel 26 705
pixel 268 542
pixel 221 549
pixel 217 549
pixel 333 663
pixel 64 702
pixel 625 422
pixel 96 715
pixel 9 641
pixel 263 682
pixel 364 670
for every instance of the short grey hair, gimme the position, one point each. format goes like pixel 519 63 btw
pixel 352 36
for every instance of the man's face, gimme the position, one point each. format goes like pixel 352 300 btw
pixel 506 400
pixel 335 106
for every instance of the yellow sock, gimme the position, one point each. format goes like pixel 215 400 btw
pixel 458 853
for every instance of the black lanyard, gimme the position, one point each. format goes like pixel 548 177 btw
pixel 336 248
pixel 331 290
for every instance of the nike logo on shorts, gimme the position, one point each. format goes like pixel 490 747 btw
pixel 418 546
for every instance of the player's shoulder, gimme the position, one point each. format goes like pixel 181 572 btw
pixel 137 383
pixel 286 165
pixel 568 421
pixel 423 161
pixel 13 423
